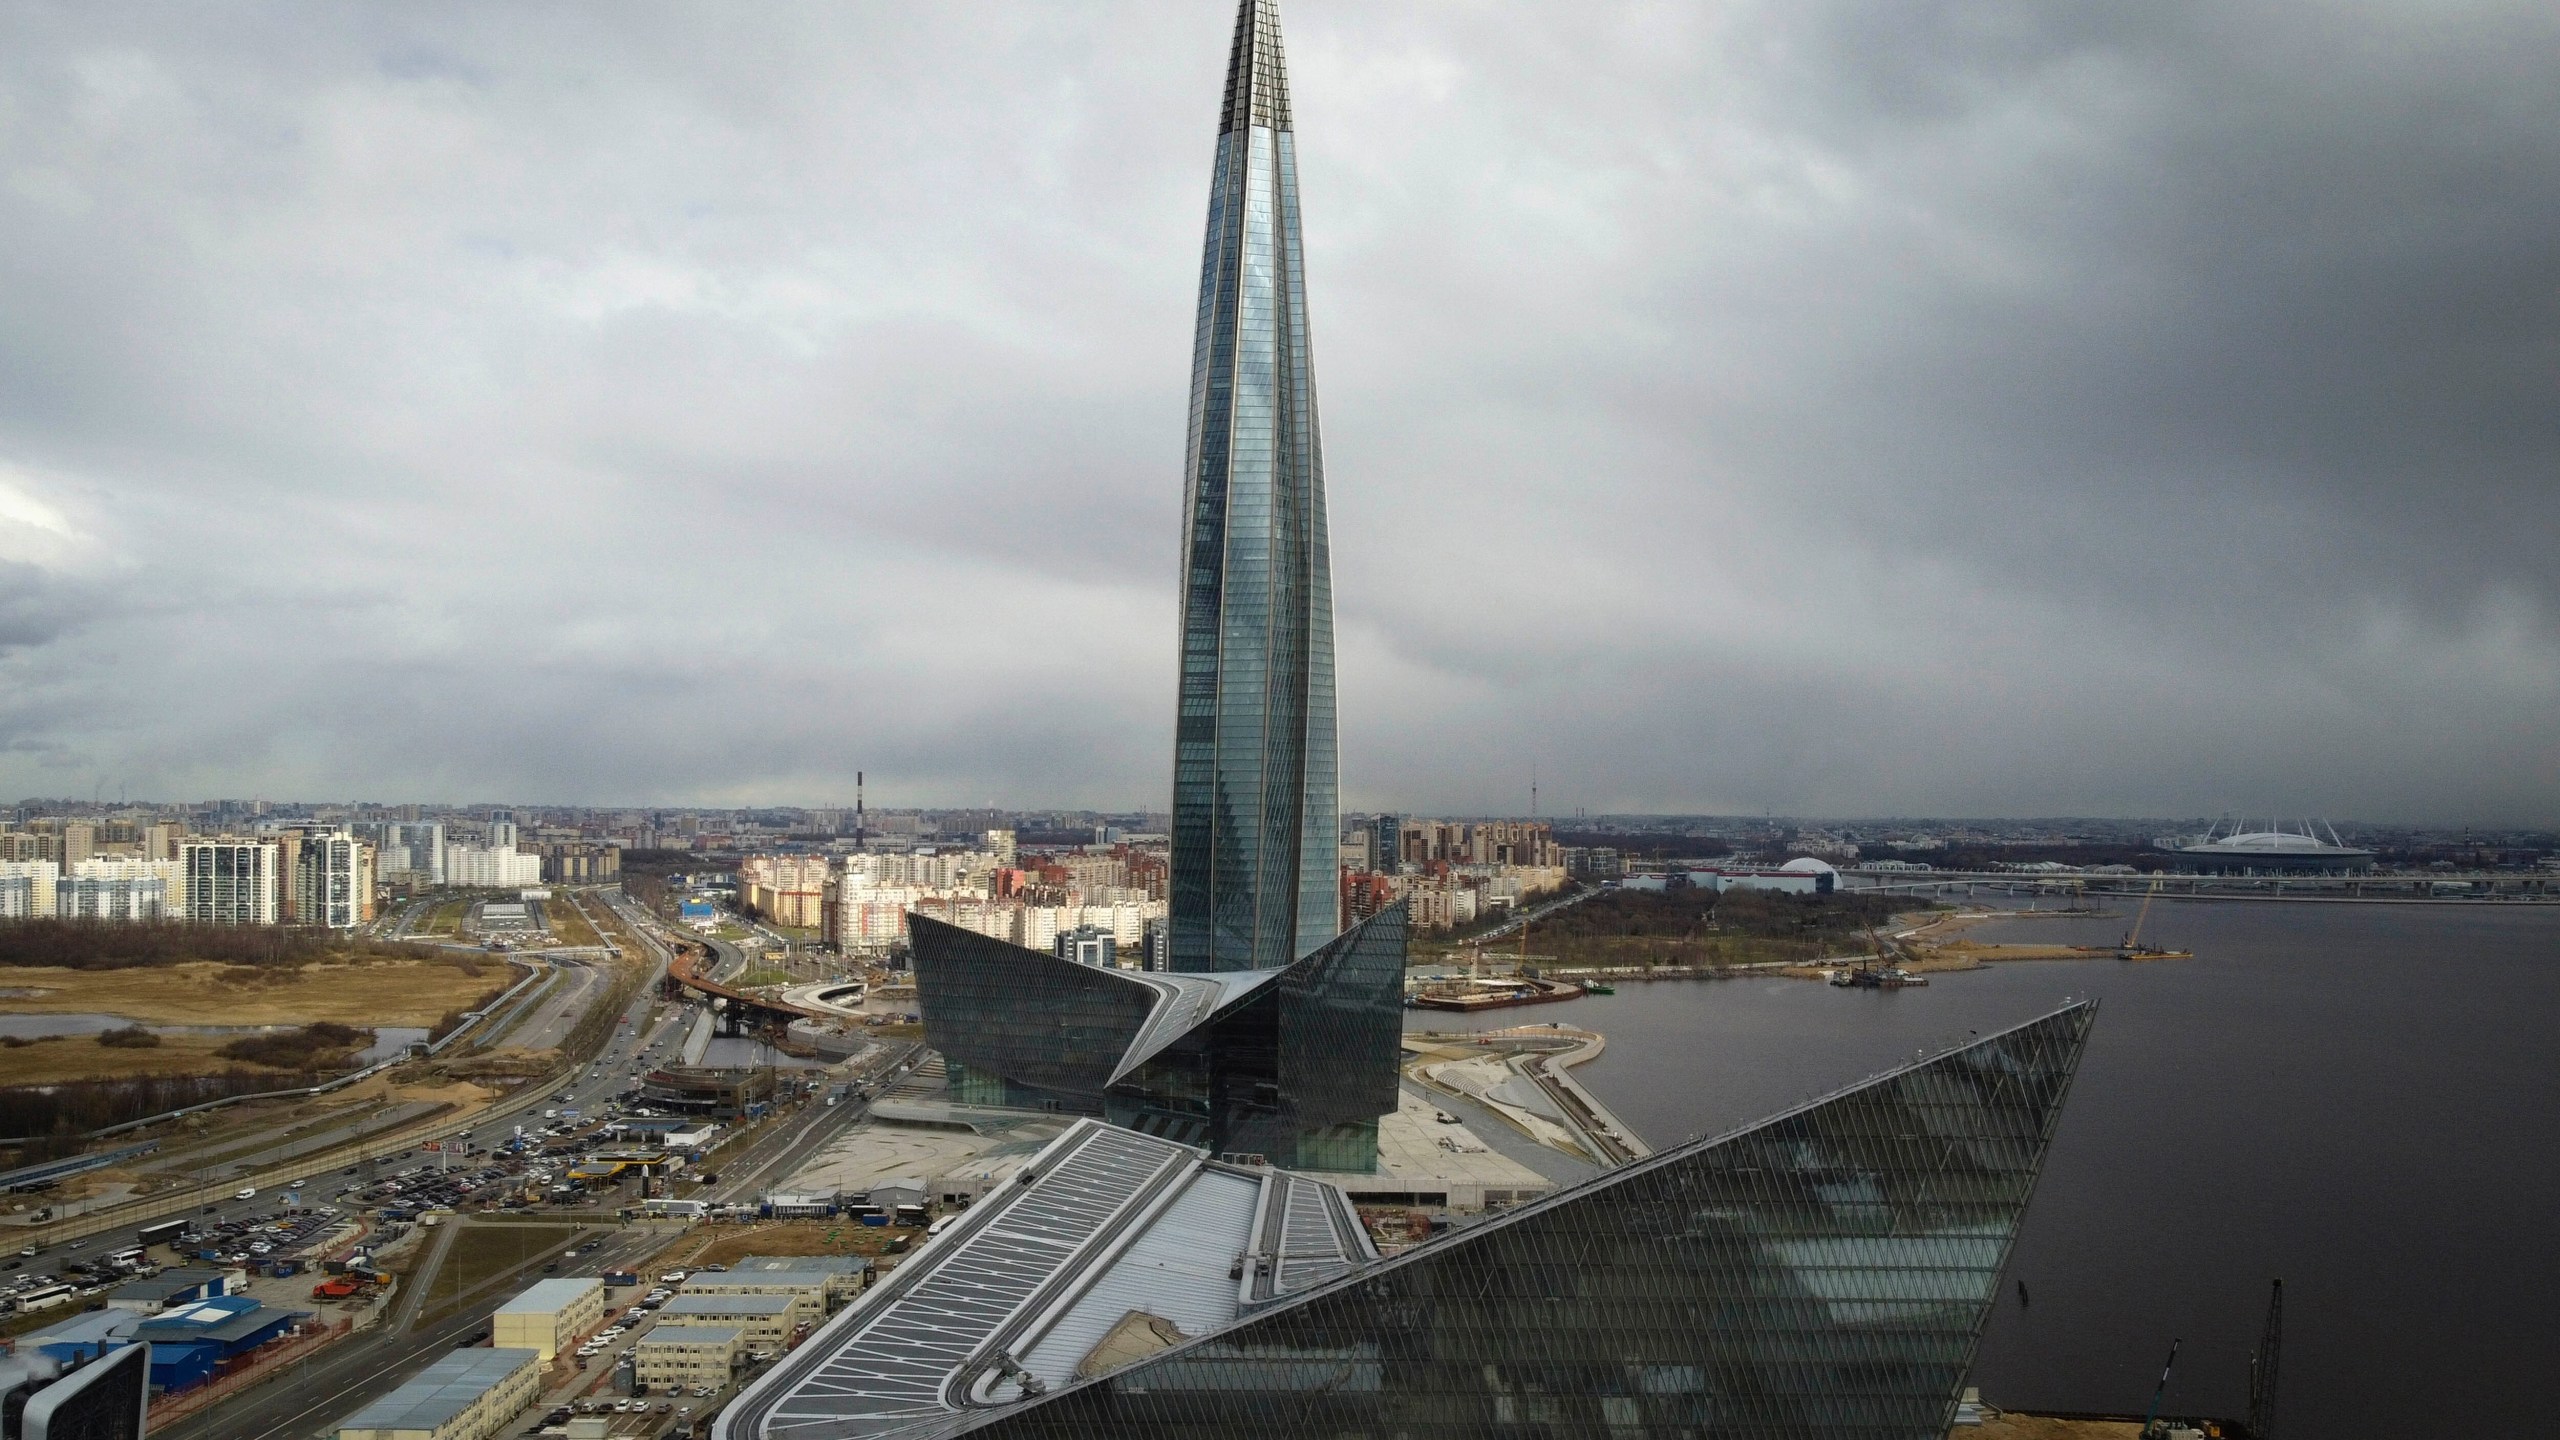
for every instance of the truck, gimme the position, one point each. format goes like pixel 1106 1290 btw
pixel 621 1277
pixel 166 1232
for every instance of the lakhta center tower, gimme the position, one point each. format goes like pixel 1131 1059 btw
pixel 1256 775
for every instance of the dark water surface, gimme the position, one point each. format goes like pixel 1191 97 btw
pixel 2360 1099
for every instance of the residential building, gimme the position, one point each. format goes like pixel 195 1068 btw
pixel 549 1315
pixel 473 867
pixel 160 840
pixel 1087 945
pixel 27 888
pixel 784 889
pixel 764 1322
pixel 333 881
pixel 466 1394
pixel 231 881
pixel 413 850
pixel 102 889
pixel 807 1287
pixel 1256 807
pixel 686 1357
pixel 845 1274
pixel 579 862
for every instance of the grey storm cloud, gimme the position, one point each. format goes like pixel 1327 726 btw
pixel 1890 408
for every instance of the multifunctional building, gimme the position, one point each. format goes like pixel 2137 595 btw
pixel 1826 1272
pixel 1291 1065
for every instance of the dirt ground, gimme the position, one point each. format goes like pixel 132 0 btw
pixel 2003 1426
pixel 726 1244
pixel 390 992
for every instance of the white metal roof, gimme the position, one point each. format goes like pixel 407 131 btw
pixel 441 1391
pixel 1034 1276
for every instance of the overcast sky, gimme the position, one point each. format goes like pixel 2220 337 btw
pixel 1835 409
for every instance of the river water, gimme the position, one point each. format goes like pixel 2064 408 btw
pixel 2360 1099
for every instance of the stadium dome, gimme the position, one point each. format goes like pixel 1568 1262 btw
pixel 1807 865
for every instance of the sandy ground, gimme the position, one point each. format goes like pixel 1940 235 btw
pixel 2039 1427
pixel 868 1154
pixel 390 992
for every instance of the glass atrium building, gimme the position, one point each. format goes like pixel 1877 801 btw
pixel 1256 775
pixel 1822 1275
pixel 1293 1065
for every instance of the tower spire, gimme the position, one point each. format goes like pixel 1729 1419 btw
pixel 1257 76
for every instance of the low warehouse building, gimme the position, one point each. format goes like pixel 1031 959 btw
pixel 684 1357
pixel 465 1395
pixel 765 1320
pixel 549 1315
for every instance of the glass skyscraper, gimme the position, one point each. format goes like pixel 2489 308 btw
pixel 1256 774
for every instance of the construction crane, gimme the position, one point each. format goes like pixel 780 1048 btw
pixel 2151 1426
pixel 2133 948
pixel 2262 1368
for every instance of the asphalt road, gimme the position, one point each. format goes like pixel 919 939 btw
pixel 344 1377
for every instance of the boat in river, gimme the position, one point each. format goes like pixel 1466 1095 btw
pixel 1468 995
pixel 1878 977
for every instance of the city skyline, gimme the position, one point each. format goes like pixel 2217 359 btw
pixel 1780 410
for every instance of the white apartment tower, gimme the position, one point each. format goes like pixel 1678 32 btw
pixel 333 881
pixel 230 881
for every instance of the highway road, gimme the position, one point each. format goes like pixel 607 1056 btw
pixel 346 1376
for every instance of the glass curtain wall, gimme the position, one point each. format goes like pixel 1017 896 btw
pixel 1256 810
pixel 1824 1275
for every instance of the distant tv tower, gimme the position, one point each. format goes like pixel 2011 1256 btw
pixel 1533 789
pixel 857 807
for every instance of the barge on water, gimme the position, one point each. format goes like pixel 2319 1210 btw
pixel 1889 977
pixel 1471 995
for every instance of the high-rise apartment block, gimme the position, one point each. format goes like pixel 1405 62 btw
pixel 231 881
pixel 121 888
pixel 26 888
pixel 333 882
pixel 472 867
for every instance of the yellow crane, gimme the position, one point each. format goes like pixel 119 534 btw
pixel 2133 948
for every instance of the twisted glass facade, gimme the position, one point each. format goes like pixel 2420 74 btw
pixel 1824 1275
pixel 1256 808
pixel 1292 1065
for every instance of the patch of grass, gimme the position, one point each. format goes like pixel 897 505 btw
pixel 129 1037
pixel 568 924
pixel 323 1045
pixel 754 979
pixel 101 945
pixel 1697 927
pixel 795 1237
pixel 55 1063
pixel 481 1254
pixel 363 993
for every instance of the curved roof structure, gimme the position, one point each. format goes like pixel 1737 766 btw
pixel 1827 1271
